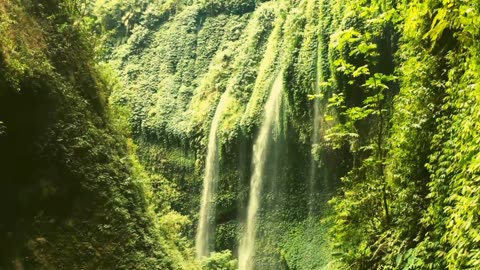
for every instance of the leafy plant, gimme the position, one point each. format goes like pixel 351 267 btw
pixel 220 261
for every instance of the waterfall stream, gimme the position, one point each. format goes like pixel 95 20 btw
pixel 260 150
pixel 315 139
pixel 206 220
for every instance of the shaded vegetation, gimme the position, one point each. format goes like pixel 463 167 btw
pixel 72 197
pixel 103 136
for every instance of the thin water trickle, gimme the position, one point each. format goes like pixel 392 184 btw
pixel 206 224
pixel 315 140
pixel 260 150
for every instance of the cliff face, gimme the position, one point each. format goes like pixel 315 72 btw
pixel 389 91
pixel 176 60
pixel 70 195
pixel 372 159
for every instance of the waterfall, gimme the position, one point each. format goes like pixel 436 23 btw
pixel 260 150
pixel 206 223
pixel 315 139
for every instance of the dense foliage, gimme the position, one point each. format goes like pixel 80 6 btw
pixel 408 202
pixel 374 162
pixel 174 73
pixel 71 196
pixel 395 85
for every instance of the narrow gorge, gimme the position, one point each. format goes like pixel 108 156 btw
pixel 239 134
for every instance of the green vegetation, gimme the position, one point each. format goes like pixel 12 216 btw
pixel 106 108
pixel 73 195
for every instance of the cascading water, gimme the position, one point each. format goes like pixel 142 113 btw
pixel 205 224
pixel 260 150
pixel 312 183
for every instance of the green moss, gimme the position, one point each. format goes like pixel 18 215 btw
pixel 175 60
pixel 173 82
pixel 72 195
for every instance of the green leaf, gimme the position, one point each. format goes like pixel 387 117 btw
pixel 312 97
pixel 363 70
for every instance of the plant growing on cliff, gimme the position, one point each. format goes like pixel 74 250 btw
pixel 362 209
